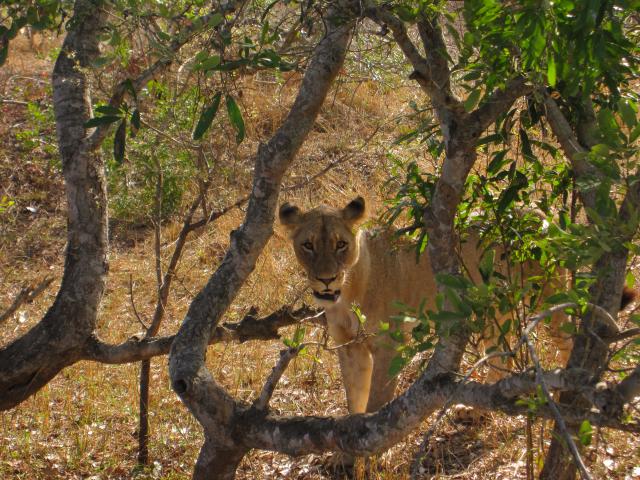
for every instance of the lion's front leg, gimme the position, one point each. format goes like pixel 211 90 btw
pixel 383 385
pixel 356 365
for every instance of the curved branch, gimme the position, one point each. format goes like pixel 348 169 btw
pixel 139 348
pixel 29 362
pixel 212 406
pixel 423 69
pixel 500 101
pixel 369 434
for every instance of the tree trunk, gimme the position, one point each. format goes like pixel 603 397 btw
pixel 210 404
pixel 589 353
pixel 29 362
pixel 216 461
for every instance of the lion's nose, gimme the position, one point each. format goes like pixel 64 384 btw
pixel 327 281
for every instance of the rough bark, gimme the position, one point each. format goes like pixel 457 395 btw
pixel 372 433
pixel 29 362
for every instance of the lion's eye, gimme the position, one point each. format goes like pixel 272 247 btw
pixel 341 245
pixel 308 246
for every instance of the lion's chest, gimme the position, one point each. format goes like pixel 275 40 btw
pixel 342 324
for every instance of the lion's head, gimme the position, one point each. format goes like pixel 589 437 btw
pixel 325 244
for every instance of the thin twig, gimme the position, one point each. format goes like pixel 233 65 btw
pixel 262 402
pixel 26 295
pixel 333 164
pixel 133 304
pixel 156 223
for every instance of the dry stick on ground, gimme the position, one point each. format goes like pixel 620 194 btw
pixel 26 295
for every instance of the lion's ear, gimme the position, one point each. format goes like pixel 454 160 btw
pixel 354 211
pixel 289 215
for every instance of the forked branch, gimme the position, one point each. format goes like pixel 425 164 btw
pixel 250 327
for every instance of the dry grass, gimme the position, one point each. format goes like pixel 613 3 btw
pixel 83 424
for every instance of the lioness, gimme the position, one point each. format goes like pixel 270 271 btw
pixel 369 269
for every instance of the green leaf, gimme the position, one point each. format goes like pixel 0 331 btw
pixel 472 100
pixel 406 14
pixel 558 298
pixel 128 85
pixel 232 65
pixel 525 144
pixel 108 110
pixel 215 20
pixel 608 126
pixel 569 328
pixel 486 265
pixel 359 315
pixel 505 327
pixel 498 162
pixel 207 117
pixel 119 142
pixel 519 182
pixel 446 315
pixel 585 433
pixel 551 71
pixel 105 120
pixel 600 149
pixel 209 63
pixel 630 279
pixel 396 366
pixel 236 117
pixel 298 335
pixel 264 32
pixel 453 281
pixel 628 112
